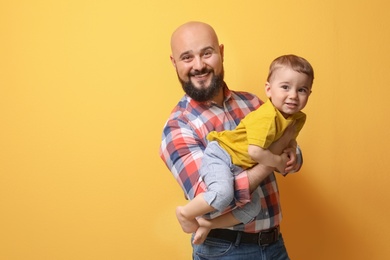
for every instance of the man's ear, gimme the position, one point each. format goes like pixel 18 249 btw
pixel 268 89
pixel 221 49
pixel 173 61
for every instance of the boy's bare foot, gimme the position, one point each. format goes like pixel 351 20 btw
pixel 188 225
pixel 200 235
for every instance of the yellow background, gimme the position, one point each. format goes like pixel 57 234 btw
pixel 86 86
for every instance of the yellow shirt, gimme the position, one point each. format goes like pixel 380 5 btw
pixel 260 127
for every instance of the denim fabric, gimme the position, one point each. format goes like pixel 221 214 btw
pixel 219 249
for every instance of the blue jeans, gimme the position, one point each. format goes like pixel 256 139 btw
pixel 214 248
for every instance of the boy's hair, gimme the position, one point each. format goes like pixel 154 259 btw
pixel 294 62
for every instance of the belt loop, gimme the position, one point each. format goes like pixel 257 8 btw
pixel 238 238
pixel 277 233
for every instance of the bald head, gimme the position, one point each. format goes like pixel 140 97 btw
pixel 192 35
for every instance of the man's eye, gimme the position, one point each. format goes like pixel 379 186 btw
pixel 186 58
pixel 207 54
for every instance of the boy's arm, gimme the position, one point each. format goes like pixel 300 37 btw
pixel 255 176
pixel 267 158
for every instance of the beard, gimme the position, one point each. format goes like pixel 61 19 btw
pixel 204 93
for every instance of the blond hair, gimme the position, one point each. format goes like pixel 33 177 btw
pixel 294 62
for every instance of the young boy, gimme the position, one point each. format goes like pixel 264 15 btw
pixel 288 88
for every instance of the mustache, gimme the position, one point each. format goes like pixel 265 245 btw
pixel 200 72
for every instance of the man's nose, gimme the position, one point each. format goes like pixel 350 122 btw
pixel 198 64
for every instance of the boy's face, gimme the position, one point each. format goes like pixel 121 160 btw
pixel 288 90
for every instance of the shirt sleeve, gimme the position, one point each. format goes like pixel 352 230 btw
pixel 182 150
pixel 299 160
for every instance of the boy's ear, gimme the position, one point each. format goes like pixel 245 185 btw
pixel 268 89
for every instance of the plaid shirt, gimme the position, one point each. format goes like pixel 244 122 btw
pixel 184 141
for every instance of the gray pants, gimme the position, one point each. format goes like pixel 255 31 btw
pixel 218 173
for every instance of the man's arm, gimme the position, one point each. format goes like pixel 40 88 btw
pixel 182 151
pixel 257 174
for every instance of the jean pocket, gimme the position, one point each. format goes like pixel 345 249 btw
pixel 212 248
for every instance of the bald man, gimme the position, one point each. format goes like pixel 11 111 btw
pixel 209 105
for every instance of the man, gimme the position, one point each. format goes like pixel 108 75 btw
pixel 209 105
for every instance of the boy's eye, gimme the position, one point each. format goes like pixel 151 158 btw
pixel 284 87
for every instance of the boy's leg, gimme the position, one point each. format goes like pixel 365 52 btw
pixel 187 214
pixel 216 172
pixel 200 235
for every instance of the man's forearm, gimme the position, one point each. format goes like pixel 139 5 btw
pixel 223 221
pixel 257 174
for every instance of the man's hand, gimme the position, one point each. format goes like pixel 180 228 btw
pixel 291 164
pixel 283 163
pixel 287 145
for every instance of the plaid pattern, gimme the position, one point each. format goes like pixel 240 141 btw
pixel 184 140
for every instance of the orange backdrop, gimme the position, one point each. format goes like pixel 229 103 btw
pixel 86 86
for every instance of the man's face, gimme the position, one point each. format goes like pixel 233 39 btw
pixel 198 60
